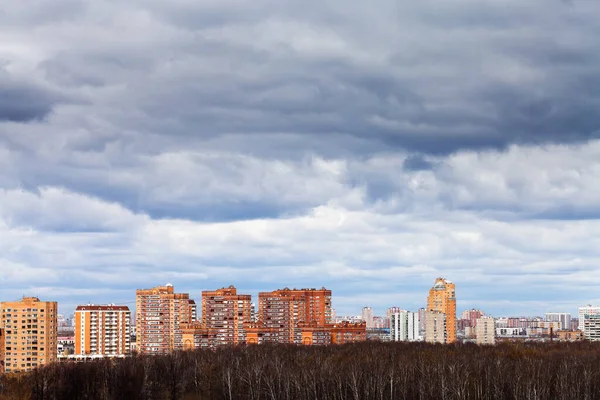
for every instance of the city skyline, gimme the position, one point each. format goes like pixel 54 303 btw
pixel 375 311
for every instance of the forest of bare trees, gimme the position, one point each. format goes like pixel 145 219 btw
pixel 362 371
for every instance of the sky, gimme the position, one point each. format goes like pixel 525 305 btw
pixel 368 147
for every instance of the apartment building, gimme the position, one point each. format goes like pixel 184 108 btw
pixel 102 330
pixel 30 333
pixel 435 327
pixel 348 332
pixel 570 336
pixel 442 298
pixel 586 311
pixel 197 336
pixel 485 332
pixel 563 318
pixel 314 334
pixel 225 311
pixel 160 315
pixel 367 316
pixel 283 309
pixel 404 326
pixel 470 317
pixel 591 327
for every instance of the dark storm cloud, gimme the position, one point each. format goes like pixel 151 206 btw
pixel 22 101
pixel 417 163
pixel 430 77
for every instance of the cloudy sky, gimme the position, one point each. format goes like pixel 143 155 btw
pixel 368 147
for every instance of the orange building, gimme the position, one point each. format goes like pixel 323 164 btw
pixel 442 298
pixel 570 336
pixel 226 312
pixel 2 350
pixel 315 334
pixel 256 333
pixel 283 309
pixel 348 332
pixel 197 336
pixel 102 330
pixel 30 338
pixel 159 315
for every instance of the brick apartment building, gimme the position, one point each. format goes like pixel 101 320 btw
pixel 225 311
pixel 102 330
pixel 282 310
pixel 160 315
pixel 30 334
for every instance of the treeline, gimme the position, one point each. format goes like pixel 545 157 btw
pixel 362 371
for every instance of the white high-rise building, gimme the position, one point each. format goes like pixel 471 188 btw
pixel 586 310
pixel 404 326
pixel 102 330
pixel 367 316
pixel 563 318
pixel 591 327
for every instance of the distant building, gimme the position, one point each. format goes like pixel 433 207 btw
pixel 470 317
pixel 160 315
pixel 570 336
pixel 563 318
pixel 546 328
pixel 422 321
pixel 30 334
pixel 392 310
pixel 404 326
pixel 584 311
pixel 346 332
pixel 102 330
pixel 226 311
pixel 348 318
pixel 442 298
pixel 591 327
pixel 367 316
pixel 381 322
pixel 484 330
pixel 510 332
pixel 435 327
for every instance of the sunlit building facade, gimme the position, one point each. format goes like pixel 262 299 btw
pixel 442 298
pixel 160 315
pixel 30 334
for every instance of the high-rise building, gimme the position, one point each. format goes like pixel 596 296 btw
pixel 591 327
pixel 563 318
pixel 31 330
pixel 471 316
pixel 435 327
pixel 442 298
pixel 281 311
pixel 102 330
pixel 586 310
pixel 226 312
pixel 160 315
pixel 485 331
pixel 367 316
pixel 422 321
pixel 393 310
pixel 404 326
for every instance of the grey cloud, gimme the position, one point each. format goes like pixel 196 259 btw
pixel 417 163
pixel 476 77
pixel 22 101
